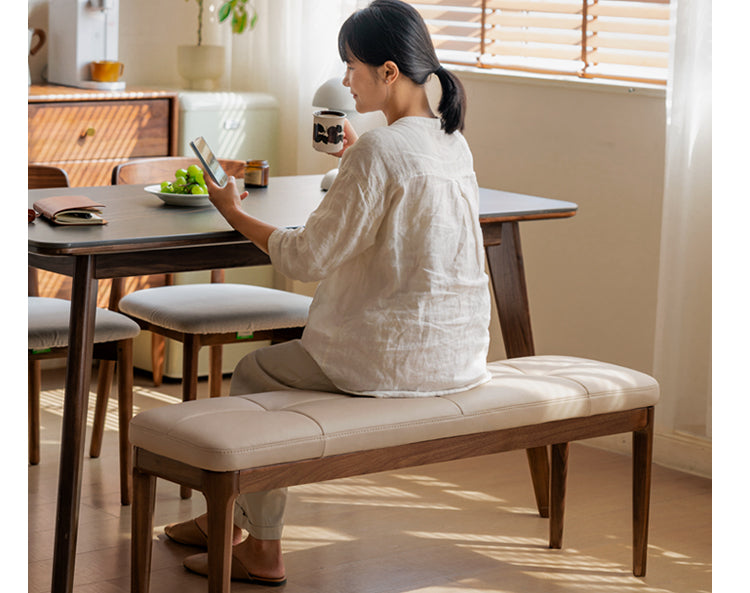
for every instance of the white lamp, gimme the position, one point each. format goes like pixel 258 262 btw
pixel 333 95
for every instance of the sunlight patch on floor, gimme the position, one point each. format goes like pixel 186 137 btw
pixel 339 488
pixel 563 570
pixel 425 480
pixel 365 493
pixel 678 558
pixel 474 495
pixel 306 537
pixel 51 401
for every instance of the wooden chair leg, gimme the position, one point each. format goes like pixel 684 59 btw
pixel 124 414
pixel 190 349
pixel 215 352
pixel 539 469
pixel 214 370
pixel 142 519
pixel 159 345
pixel 558 479
pixel 158 349
pixel 104 382
pixel 221 491
pixel 643 444
pixel 35 389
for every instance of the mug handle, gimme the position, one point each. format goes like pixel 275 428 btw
pixel 122 69
pixel 42 38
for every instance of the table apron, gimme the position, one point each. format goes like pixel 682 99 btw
pixel 187 259
pixel 158 261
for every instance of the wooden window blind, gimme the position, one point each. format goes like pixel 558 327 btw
pixel 614 39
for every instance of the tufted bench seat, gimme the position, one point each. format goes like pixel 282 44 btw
pixel 225 446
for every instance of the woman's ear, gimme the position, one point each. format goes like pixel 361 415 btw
pixel 389 72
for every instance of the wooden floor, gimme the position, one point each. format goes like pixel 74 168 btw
pixel 459 527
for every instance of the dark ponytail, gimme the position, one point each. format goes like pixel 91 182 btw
pixel 452 106
pixel 393 30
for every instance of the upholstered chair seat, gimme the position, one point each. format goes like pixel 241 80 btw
pixel 217 308
pixel 48 329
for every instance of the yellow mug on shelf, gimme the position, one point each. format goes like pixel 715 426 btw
pixel 106 70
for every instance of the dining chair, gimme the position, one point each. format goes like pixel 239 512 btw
pixel 44 176
pixel 207 314
pixel 48 327
pixel 156 170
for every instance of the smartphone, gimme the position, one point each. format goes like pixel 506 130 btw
pixel 209 161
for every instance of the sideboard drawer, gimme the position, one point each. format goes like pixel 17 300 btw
pixel 83 130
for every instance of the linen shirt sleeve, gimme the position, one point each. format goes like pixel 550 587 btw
pixel 345 223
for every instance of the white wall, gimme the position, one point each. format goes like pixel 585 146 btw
pixel 592 278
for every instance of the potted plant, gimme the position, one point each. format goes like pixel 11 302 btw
pixel 203 64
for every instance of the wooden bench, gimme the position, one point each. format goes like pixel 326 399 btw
pixel 231 445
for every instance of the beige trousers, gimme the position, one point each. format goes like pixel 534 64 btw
pixel 279 367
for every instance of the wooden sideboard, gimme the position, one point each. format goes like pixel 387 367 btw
pixel 88 132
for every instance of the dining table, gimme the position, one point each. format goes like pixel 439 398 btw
pixel 145 235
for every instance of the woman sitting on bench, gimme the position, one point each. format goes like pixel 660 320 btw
pixel 403 304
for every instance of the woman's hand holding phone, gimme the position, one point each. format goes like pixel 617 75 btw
pixel 225 198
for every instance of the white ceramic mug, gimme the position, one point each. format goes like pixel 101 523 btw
pixel 328 130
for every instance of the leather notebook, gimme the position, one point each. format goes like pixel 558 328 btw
pixel 70 210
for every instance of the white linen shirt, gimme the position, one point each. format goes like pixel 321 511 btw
pixel 403 304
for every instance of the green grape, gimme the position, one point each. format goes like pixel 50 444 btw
pixel 186 181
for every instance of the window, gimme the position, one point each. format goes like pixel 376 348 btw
pixel 614 39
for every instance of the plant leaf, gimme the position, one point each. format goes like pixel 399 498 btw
pixel 224 11
pixel 239 25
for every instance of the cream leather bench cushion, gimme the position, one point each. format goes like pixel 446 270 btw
pixel 241 432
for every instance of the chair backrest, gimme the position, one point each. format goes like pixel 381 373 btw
pixel 156 170
pixel 43 176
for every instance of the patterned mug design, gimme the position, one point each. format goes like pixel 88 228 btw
pixel 332 135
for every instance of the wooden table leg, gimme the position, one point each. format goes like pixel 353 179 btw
pixel 78 378
pixel 505 263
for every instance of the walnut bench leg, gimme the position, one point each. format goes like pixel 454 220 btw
pixel 642 461
pixel 643 446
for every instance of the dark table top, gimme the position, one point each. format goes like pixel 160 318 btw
pixel 138 220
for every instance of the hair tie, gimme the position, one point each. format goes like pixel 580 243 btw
pixel 439 70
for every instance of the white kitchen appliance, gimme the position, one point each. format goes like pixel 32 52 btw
pixel 236 125
pixel 242 126
pixel 81 32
